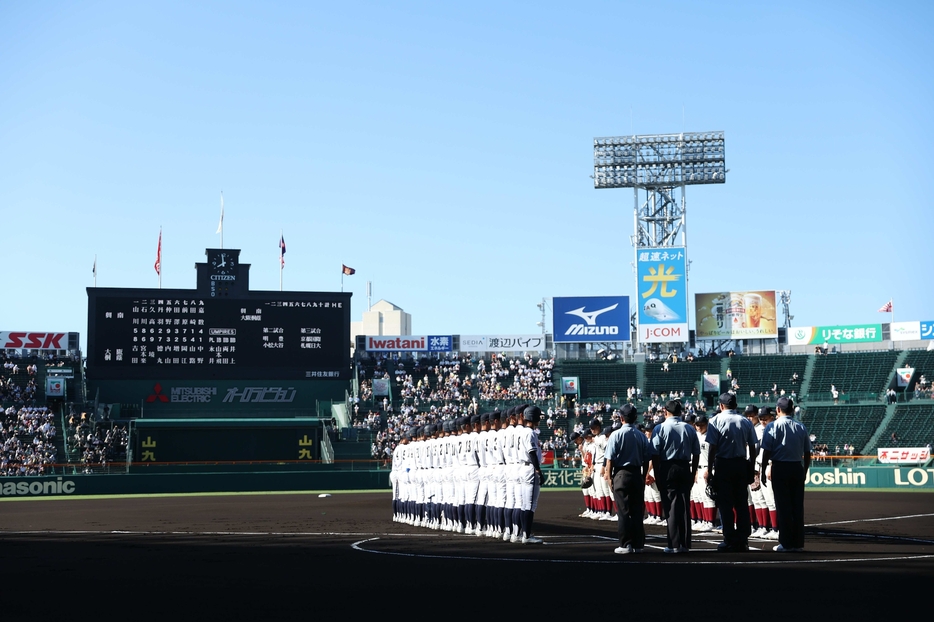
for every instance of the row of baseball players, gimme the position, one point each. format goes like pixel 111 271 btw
pixel 478 475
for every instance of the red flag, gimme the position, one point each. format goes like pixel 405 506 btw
pixel 347 270
pixel 886 308
pixel 281 251
pixel 158 264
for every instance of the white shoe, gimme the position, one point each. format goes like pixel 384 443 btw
pixel 697 527
pixel 506 536
pixel 514 538
pixel 531 540
pixel 758 533
pixel 478 532
pixel 623 550
pixel 605 516
pixel 614 518
pixel 771 535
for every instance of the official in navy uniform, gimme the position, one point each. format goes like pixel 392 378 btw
pixel 786 443
pixel 731 455
pixel 626 462
pixel 675 455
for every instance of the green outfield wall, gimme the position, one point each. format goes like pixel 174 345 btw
pixel 323 478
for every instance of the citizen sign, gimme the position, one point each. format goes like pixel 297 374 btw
pixel 34 341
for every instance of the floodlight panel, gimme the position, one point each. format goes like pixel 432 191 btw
pixel 659 160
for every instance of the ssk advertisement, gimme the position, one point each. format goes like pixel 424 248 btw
pixel 591 319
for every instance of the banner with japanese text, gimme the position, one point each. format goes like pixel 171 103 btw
pixel 818 335
pixel 502 343
pixel 662 297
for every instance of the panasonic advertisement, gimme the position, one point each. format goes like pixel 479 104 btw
pixel 591 318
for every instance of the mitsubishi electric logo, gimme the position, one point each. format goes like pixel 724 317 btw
pixel 590 317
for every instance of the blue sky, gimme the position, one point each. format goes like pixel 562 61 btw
pixel 444 150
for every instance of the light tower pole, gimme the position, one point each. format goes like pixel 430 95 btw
pixel 658 167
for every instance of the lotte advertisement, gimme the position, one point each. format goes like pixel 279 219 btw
pixel 736 315
pixel 662 299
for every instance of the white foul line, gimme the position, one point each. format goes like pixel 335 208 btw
pixel 869 520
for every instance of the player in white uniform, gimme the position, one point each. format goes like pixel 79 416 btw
pixel 704 506
pixel 395 478
pixel 497 485
pixel 602 492
pixel 529 473
pixel 511 515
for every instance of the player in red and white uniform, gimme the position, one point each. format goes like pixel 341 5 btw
pixel 763 499
pixel 703 506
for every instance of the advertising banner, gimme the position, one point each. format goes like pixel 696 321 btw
pixel 711 383
pixel 903 455
pixel 927 330
pixel 54 386
pixel 502 343
pixel 818 335
pixel 904 375
pixel 591 318
pixel 736 315
pixel 662 299
pixel 410 343
pixel 380 387
pixel 905 331
pixel 569 385
pixel 33 340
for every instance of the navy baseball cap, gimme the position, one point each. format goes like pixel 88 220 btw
pixel 728 400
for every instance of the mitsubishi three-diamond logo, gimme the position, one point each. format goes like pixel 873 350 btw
pixel 157 395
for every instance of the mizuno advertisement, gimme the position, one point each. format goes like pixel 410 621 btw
pixel 662 298
pixel 591 318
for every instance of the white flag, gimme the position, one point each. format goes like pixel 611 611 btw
pixel 220 225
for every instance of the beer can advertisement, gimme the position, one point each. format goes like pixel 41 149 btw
pixel 736 315
pixel 662 299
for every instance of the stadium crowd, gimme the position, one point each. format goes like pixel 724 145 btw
pixel 27 441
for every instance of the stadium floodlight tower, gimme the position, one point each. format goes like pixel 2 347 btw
pixel 658 167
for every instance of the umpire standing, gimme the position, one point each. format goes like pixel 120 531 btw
pixel 626 462
pixel 786 443
pixel 676 453
pixel 732 454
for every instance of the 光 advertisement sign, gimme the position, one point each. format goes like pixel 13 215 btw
pixel 662 299
pixel 591 318
pixel 736 315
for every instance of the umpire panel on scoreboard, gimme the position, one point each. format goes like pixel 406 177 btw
pixel 220 330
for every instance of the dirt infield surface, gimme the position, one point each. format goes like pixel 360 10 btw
pixel 272 556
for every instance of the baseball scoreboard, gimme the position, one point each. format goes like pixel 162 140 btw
pixel 220 330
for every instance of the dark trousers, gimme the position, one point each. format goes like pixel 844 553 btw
pixel 674 484
pixel 629 491
pixel 788 487
pixel 732 480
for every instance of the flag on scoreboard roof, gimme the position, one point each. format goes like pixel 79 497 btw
pixel 94 267
pixel 158 264
pixel 347 270
pixel 886 308
pixel 220 224
pixel 281 251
